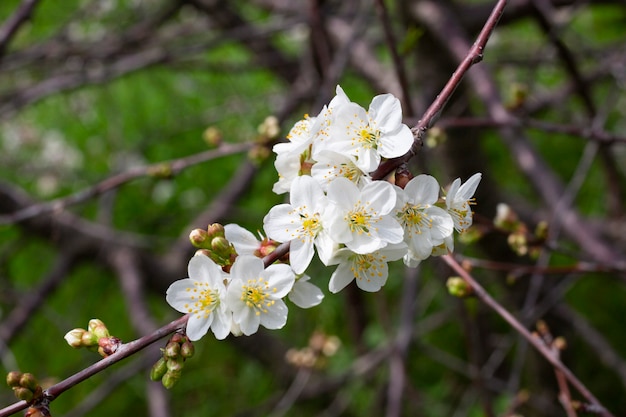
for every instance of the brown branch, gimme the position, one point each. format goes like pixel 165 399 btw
pixel 159 169
pixel 473 56
pixel 124 351
pixel 484 297
pixel 10 27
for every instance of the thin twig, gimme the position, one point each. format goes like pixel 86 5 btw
pixel 164 169
pixel 474 56
pixel 480 292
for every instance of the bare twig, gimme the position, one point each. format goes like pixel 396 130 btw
pixel 473 56
pixel 160 169
pixel 12 24
pixel 480 292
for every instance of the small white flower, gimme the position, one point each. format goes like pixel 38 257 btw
pixel 202 296
pixel 361 219
pixel 458 201
pixel 304 294
pixel 370 270
pixel 301 223
pixel 331 165
pixel 293 157
pixel 370 135
pixel 255 294
pixel 425 225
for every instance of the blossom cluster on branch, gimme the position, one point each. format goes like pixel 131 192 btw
pixel 336 210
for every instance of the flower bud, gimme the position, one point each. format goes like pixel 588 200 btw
pixel 89 339
pixel 212 136
pixel 74 338
pixel 170 378
pixel 178 338
pixel 172 350
pixel 28 380
pixel 22 393
pixel 199 238
pixel 158 369
pixel 458 287
pixel 216 230
pixel 98 328
pixel 222 247
pixel 187 350
pixel 37 412
pixel 108 345
pixel 13 378
pixel 269 129
pixel 175 364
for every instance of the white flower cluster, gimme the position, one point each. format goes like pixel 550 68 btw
pixel 335 209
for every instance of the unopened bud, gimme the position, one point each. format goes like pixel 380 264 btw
pixel 458 287
pixel 541 231
pixel 178 338
pixel 29 381
pixel 13 378
pixel 258 154
pixel 269 129
pixel 108 345
pixel 22 393
pixel 187 350
pixel 158 369
pixel 36 412
pixel 267 246
pixel 98 328
pixel 212 136
pixel 172 350
pixel 74 338
pixel 560 343
pixel 199 238
pixel 222 247
pixel 175 364
pixel 216 230
pixel 89 339
pixel 170 378
pixel 435 137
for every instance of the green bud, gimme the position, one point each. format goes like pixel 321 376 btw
pixel 175 364
pixel 74 338
pixel 187 350
pixel 458 287
pixel 222 247
pixel 199 238
pixel 29 381
pixel 23 393
pixel 13 378
pixel 212 136
pixel 89 339
pixel 178 338
pixel 170 378
pixel 215 230
pixel 172 350
pixel 158 369
pixel 98 328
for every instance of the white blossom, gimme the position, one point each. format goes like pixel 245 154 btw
pixel 202 296
pixel 458 201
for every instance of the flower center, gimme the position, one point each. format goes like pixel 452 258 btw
pixel 414 219
pixel 368 266
pixel 257 295
pixel 204 300
pixel 369 138
pixel 359 220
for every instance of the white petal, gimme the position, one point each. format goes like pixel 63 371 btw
pixel 300 255
pixel 396 143
pixel 423 189
pixel 276 316
pixel 381 195
pixel 244 241
pixel 386 111
pixel 304 294
pixel 280 277
pixel 340 278
pixel 201 268
pixel 306 193
pixel 246 267
pixel 468 189
pixel 177 295
pixel 197 327
pixel 281 223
